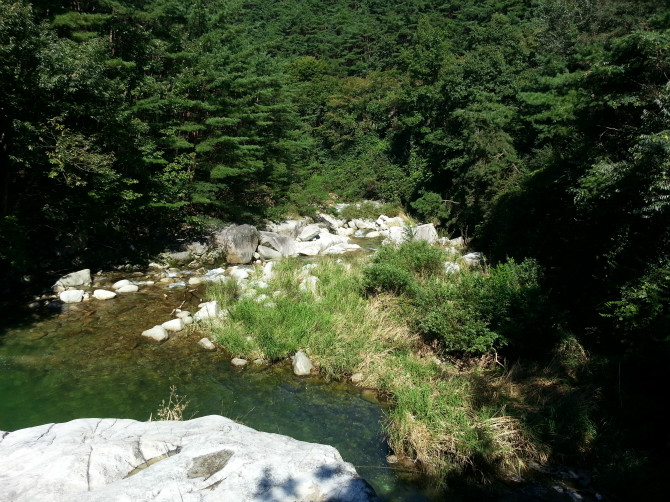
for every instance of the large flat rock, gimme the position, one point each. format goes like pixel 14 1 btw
pixel 205 459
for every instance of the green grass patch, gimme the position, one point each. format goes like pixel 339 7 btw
pixel 390 317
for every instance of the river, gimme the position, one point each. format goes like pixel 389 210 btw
pixel 89 360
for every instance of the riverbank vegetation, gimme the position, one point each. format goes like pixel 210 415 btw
pixel 398 322
pixel 538 130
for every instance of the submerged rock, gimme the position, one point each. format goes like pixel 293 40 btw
pixel 206 459
pixel 130 288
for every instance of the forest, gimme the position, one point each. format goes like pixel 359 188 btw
pixel 535 129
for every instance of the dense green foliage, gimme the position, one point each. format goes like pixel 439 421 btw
pixel 466 311
pixel 537 129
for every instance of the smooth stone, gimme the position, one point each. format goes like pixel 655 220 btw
pixel 206 343
pixel 79 278
pixel 187 320
pixel 373 235
pixel 103 294
pixel 357 378
pixel 451 267
pixel 207 459
pixel 236 361
pixel 309 232
pixel 301 364
pixel 174 325
pixel 345 232
pixel 209 310
pixel 130 288
pixel 182 313
pixel 72 296
pixel 425 232
pixel 194 281
pixel 238 242
pixel 120 284
pixel 239 273
pixel 473 258
pixel 158 333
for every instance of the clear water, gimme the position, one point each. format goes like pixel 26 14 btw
pixel 91 361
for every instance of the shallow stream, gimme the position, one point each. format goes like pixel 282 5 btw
pixel 89 360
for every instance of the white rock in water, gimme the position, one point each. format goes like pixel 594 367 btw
pixel 372 235
pixel 120 284
pixel 130 288
pixel 207 459
pixel 236 361
pixel 72 296
pixel 345 232
pixel 187 320
pixel 174 325
pixel 194 281
pixel 103 294
pixel 158 333
pixel 209 310
pixel 182 313
pixel 206 343
pixel 301 364
pixel 80 278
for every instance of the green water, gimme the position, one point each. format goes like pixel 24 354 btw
pixel 90 361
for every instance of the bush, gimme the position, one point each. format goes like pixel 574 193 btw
pixel 417 257
pixel 384 277
pixel 431 208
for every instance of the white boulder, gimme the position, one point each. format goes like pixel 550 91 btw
pixel 209 310
pixel 120 284
pixel 206 344
pixel 301 364
pixel 174 325
pixel 103 294
pixel 72 296
pixel 309 232
pixel 157 333
pixel 206 459
pixel 73 279
pixel 130 288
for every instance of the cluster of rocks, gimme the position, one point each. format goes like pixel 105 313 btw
pixel 206 459
pixel 324 235
pixel 70 288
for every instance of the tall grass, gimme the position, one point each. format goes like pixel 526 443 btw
pixel 436 419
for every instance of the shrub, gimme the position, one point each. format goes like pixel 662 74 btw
pixel 385 277
pixel 431 208
pixel 417 257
